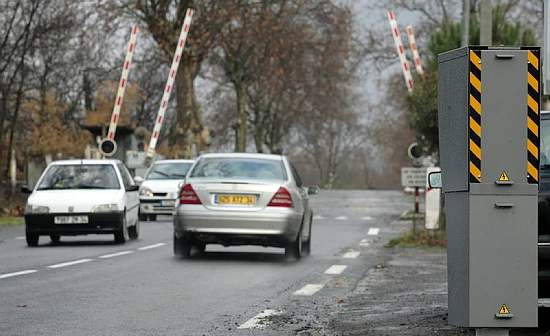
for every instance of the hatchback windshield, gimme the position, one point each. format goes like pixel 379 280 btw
pixel 80 177
pixel 240 168
pixel 169 171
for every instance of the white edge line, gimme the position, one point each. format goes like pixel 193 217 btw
pixel 148 247
pixel 70 263
pixel 373 231
pixel 335 269
pixel 20 238
pixel 9 275
pixel 309 289
pixel 121 253
pixel 257 321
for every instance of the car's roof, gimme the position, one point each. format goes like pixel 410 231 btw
pixel 85 161
pixel 243 155
pixel 174 161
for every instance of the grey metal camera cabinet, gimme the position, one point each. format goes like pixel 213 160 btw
pixel 489 111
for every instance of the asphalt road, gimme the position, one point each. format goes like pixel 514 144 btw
pixel 90 286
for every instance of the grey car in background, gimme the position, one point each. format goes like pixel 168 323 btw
pixel 243 199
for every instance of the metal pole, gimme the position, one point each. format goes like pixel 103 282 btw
pixel 416 200
pixel 486 23
pixel 465 23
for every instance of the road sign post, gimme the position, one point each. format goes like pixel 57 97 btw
pixel 489 107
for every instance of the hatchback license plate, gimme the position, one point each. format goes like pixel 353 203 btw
pixel 236 199
pixel 70 219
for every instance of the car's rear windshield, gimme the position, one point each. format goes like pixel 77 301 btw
pixel 79 176
pixel 168 171
pixel 239 168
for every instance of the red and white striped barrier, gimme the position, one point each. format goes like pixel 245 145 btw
pixel 170 83
pixel 401 51
pixel 414 49
pixel 123 83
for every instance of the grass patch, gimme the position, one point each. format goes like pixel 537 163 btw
pixel 422 238
pixel 12 220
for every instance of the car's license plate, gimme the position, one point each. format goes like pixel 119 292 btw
pixel 236 199
pixel 168 203
pixel 70 219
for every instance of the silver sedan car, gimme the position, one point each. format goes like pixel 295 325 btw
pixel 243 199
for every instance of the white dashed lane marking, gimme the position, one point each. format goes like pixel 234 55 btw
pixel 112 255
pixel 351 254
pixel 318 217
pixel 335 269
pixel 14 274
pixel 258 321
pixel 309 289
pixel 364 242
pixel 70 263
pixel 341 218
pixel 148 247
pixel 373 231
pixel 367 218
pixel 19 238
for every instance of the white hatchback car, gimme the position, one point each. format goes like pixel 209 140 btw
pixel 160 189
pixel 78 197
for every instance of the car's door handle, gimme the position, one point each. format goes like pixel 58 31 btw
pixel 504 205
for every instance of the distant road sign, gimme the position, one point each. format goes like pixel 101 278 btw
pixel 413 177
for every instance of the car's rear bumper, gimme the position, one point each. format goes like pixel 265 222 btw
pixel 98 223
pixel 274 227
pixel 157 206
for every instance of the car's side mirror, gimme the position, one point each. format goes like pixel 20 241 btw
pixel 133 188
pixel 138 180
pixel 434 180
pixel 26 190
pixel 313 190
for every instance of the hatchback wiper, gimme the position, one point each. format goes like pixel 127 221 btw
pixel 83 186
pixel 48 188
pixel 160 173
pixel 179 175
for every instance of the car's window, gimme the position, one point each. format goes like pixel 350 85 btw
pixel 296 176
pixel 168 171
pixel 80 176
pixel 545 144
pixel 126 177
pixel 240 168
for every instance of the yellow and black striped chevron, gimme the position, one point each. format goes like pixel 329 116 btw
pixel 474 112
pixel 533 115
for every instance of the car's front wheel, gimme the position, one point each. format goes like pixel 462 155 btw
pixel 32 239
pixel 293 249
pixel 133 231
pixel 121 235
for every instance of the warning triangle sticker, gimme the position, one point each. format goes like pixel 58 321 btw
pixel 504 310
pixel 503 177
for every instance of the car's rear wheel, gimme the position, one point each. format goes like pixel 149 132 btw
pixel 201 247
pixel 121 235
pixel 55 238
pixel 32 239
pixel 182 247
pixel 153 218
pixel 133 231
pixel 293 249
pixel 143 217
pixel 306 246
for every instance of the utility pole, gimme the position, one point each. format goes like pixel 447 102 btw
pixel 486 23
pixel 465 23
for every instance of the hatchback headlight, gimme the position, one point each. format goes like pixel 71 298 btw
pixel 146 192
pixel 36 209
pixel 105 208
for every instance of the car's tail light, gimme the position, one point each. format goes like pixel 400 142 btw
pixel 188 195
pixel 281 199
